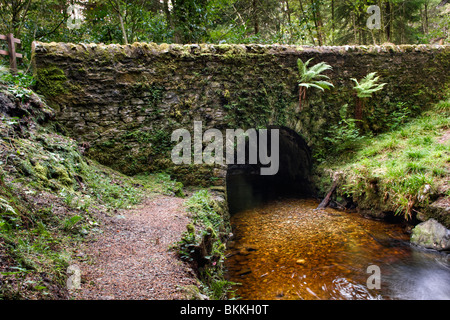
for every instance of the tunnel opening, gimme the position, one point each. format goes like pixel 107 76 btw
pixel 248 188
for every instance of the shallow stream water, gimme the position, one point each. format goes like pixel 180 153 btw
pixel 284 249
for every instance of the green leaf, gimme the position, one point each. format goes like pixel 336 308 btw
pixel 6 207
pixel 70 223
pixel 40 288
pixel 302 67
pixel 324 84
pixel 320 67
pixel 316 86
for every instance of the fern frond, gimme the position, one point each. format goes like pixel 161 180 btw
pixel 313 75
pixel 324 84
pixel 302 67
pixel 312 85
pixel 320 67
pixel 6 207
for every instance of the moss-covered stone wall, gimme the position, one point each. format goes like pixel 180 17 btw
pixel 125 100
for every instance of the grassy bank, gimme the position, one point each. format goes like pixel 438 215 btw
pixel 400 172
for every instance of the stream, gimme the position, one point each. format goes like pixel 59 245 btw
pixel 285 249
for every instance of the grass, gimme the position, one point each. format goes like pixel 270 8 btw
pixel 36 247
pixel 391 171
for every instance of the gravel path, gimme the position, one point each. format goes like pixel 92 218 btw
pixel 132 259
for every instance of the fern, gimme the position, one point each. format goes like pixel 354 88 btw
pixel 69 223
pixel 368 85
pixel 312 78
pixel 364 89
pixel 5 207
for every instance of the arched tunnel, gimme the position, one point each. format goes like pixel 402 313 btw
pixel 247 188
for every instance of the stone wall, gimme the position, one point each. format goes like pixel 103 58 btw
pixel 125 101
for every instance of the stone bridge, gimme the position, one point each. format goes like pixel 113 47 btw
pixel 124 101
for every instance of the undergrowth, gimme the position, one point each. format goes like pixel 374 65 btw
pixel 203 244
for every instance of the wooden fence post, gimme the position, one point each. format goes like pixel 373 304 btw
pixel 12 53
pixel 11 41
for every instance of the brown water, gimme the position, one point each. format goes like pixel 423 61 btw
pixel 287 250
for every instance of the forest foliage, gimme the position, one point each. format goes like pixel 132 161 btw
pixel 299 22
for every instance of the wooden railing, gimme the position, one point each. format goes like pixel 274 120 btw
pixel 13 55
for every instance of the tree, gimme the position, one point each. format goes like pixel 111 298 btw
pixel 13 15
pixel 296 22
pixel 311 78
pixel 189 20
pixel 115 4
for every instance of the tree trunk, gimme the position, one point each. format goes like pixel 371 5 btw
pixel 320 24
pixel 382 19
pixel 122 24
pixel 288 11
pixel 255 17
pixel 288 14
pixel 389 21
pixel 167 13
pixel 19 11
pixel 179 20
pixel 403 25
pixel 317 21
pixel 426 19
pixel 20 17
pixel 332 22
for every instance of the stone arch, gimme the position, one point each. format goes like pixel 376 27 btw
pixel 246 187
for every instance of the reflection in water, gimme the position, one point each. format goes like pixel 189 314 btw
pixel 244 194
pixel 423 275
pixel 284 249
pixel 250 191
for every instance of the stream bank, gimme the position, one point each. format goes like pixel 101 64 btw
pixel 399 175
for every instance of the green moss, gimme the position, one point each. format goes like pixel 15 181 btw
pixel 25 167
pixel 61 174
pixel 41 172
pixel 51 81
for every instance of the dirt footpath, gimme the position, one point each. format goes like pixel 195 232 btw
pixel 132 259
